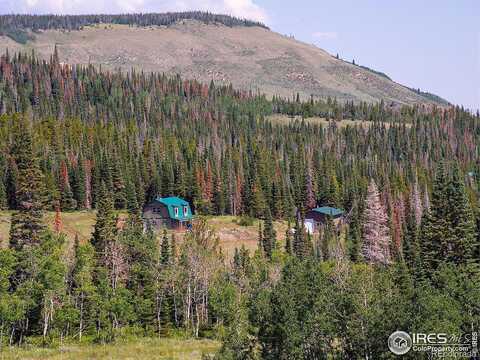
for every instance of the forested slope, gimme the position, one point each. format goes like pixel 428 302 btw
pixel 148 134
pixel 75 137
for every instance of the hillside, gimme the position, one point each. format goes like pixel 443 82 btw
pixel 250 57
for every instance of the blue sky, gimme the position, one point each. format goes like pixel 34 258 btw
pixel 426 44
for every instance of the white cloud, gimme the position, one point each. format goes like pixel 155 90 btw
pixel 129 5
pixel 239 8
pixel 328 35
pixel 245 9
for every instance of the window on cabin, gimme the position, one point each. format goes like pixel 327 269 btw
pixel 185 210
pixel 176 211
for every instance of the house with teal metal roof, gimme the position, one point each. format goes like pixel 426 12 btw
pixel 316 217
pixel 167 212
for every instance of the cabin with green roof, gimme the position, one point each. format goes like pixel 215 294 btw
pixel 316 218
pixel 167 212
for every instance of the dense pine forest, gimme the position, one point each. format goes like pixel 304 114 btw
pixel 18 27
pixel 78 138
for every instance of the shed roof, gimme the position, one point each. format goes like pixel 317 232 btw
pixel 327 210
pixel 171 203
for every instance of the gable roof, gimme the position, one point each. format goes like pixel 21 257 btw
pixel 172 201
pixel 327 210
pixel 175 202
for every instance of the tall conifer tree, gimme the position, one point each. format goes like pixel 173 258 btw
pixel 27 222
pixel 462 242
pixel 435 229
pixel 105 227
pixel 269 239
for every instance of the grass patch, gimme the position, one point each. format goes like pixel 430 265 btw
pixel 282 119
pixel 77 223
pixel 245 221
pixel 18 35
pixel 233 231
pixel 146 348
pixel 379 73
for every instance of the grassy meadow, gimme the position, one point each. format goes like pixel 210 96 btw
pixel 139 349
pixel 80 223
pixel 282 119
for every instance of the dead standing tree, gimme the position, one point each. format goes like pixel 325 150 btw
pixel 376 233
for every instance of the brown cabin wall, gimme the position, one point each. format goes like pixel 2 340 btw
pixel 315 216
pixel 320 219
pixel 156 214
pixel 155 211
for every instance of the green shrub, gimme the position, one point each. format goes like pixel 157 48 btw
pixel 246 221
pixel 19 36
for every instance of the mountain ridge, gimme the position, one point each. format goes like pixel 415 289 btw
pixel 250 57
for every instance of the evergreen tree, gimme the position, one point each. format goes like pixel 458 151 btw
pixel 333 196
pixel 12 307
pixel 327 240
pixel 142 257
pixel 410 246
pixel 67 201
pixel 258 204
pixel 3 196
pixel 288 240
pixel 354 237
pixel 131 199
pixel 105 229
pixel 435 229
pixel 300 241
pixel 173 247
pixel 278 201
pixel 165 252
pixel 260 239
pixel 463 241
pixel 78 184
pixel 11 179
pixel 120 201
pixel 329 188
pixel 27 223
pixel 269 238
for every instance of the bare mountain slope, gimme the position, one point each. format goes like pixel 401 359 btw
pixel 248 57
